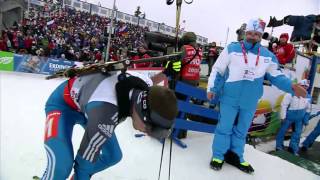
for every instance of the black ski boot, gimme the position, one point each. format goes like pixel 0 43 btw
pixel 182 134
pixel 216 164
pixel 290 150
pixel 303 149
pixel 233 159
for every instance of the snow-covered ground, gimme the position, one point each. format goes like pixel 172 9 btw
pixel 22 98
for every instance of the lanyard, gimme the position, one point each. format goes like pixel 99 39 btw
pixel 246 57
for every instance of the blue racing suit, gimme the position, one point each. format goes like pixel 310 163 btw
pixel 90 101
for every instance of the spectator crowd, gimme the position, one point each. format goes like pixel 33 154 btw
pixel 70 34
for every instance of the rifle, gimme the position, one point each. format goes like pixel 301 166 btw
pixel 106 67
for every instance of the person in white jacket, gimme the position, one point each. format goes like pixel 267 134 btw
pixel 294 110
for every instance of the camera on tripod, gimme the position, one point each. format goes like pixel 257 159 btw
pixel 157 41
pixel 271 39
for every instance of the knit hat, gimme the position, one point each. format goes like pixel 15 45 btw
pixel 257 25
pixel 189 37
pixel 158 108
pixel 284 35
pixel 163 101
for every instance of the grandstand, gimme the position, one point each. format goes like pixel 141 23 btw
pixel 93 9
pixel 73 30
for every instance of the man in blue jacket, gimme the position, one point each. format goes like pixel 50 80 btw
pixel 238 76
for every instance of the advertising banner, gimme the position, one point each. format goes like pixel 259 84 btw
pixel 6 61
pixel 296 74
pixel 28 63
pixel 53 65
pixel 39 65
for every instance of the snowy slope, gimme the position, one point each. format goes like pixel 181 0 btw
pixel 22 98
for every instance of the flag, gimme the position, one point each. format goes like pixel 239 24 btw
pixel 122 30
pixel 50 22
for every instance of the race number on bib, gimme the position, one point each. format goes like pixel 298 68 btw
pixel 52 123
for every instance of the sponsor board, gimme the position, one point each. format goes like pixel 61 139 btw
pixel 6 61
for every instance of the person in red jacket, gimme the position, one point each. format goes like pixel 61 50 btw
pixel 192 55
pixel 142 54
pixel 28 43
pixel 98 55
pixel 189 69
pixel 284 51
pixel 212 56
pixel 3 45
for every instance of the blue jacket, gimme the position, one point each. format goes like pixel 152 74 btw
pixel 228 78
pixel 303 26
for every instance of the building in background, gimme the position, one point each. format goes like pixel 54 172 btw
pixel 10 11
